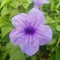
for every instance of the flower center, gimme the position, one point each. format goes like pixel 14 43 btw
pixel 30 30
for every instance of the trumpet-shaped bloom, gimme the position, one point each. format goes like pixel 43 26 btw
pixel 38 3
pixel 30 31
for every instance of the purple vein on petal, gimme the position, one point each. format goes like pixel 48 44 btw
pixel 19 36
pixel 40 34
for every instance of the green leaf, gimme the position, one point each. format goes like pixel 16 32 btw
pixel 13 12
pixel 5 30
pixel 53 41
pixel 1 24
pixel 25 3
pixel 9 46
pixel 5 55
pixel 57 53
pixel 4 2
pixel 49 20
pixel 4 11
pixel 58 28
pixel 15 3
pixel 33 58
pixel 17 56
pixel 14 52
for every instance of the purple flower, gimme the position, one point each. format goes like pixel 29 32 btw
pixel 38 3
pixel 30 31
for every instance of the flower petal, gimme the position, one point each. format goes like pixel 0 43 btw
pixel 23 42
pixel 38 3
pixel 32 47
pixel 18 21
pixel 44 34
pixel 36 16
pixel 15 35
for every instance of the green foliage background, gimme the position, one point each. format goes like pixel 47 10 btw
pixel 9 8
